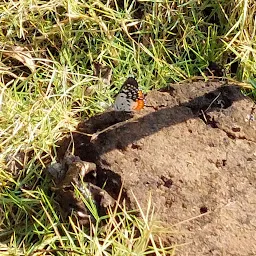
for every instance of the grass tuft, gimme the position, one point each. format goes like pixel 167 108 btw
pixel 47 86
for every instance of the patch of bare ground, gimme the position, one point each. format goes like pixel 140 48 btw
pixel 193 149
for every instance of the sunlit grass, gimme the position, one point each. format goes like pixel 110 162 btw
pixel 33 227
pixel 47 53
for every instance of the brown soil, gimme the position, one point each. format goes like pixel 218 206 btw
pixel 194 150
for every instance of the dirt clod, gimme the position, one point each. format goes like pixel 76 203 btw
pixel 194 151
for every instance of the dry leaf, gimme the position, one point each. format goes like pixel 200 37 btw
pixel 103 72
pixel 21 54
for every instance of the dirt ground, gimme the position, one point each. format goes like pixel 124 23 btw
pixel 193 148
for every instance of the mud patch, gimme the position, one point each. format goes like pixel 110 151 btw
pixel 194 150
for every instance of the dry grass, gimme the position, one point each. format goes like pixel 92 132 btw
pixel 47 53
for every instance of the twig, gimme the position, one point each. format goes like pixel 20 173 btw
pixel 213 101
pixel 112 127
pixel 204 116
pixel 203 112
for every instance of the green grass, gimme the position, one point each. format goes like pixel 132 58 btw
pixel 46 67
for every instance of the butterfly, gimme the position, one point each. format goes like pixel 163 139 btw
pixel 130 97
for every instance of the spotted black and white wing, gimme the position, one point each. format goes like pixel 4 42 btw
pixel 126 99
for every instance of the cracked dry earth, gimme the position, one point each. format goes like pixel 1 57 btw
pixel 194 150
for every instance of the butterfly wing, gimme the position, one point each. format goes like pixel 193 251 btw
pixel 129 97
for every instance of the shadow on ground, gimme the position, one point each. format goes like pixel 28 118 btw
pixel 193 149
